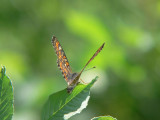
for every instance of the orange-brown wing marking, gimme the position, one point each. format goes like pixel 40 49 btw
pixel 62 61
pixel 95 54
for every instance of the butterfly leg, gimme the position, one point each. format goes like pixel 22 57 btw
pixel 83 81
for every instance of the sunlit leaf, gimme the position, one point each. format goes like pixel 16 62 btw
pixel 104 118
pixel 6 97
pixel 61 105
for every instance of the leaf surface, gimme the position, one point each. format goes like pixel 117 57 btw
pixel 104 118
pixel 62 106
pixel 6 96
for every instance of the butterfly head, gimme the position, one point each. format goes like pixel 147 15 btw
pixel 70 88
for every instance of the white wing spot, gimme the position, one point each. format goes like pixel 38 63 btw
pixel 83 105
pixel 60 48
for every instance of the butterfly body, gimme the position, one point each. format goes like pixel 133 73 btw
pixel 72 79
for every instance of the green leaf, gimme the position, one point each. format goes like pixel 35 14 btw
pixel 6 96
pixel 62 105
pixel 104 118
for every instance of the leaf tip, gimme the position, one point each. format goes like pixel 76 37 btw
pixel 108 117
pixel 94 80
pixel 3 71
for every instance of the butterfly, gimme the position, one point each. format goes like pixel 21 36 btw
pixel 72 78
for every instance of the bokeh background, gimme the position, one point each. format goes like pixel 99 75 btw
pixel 128 87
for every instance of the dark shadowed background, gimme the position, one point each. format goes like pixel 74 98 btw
pixel 128 87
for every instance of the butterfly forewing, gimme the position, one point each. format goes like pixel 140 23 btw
pixel 62 61
pixel 95 54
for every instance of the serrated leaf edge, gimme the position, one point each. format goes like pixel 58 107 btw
pixel 83 106
pixel 3 73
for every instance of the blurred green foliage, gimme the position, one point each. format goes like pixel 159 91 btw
pixel 129 63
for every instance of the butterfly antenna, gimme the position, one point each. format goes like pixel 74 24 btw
pixel 90 68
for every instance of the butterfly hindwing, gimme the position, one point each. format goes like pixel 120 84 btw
pixel 62 61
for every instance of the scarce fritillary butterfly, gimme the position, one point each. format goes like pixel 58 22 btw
pixel 72 78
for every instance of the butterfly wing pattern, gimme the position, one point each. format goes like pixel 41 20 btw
pixel 62 61
pixel 71 78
